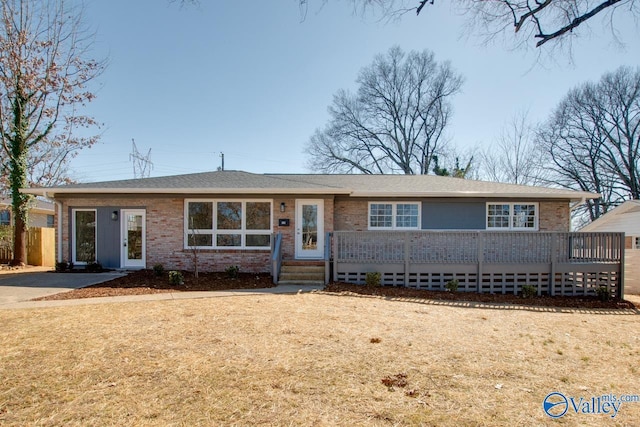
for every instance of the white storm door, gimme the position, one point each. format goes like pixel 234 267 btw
pixel 133 238
pixel 309 229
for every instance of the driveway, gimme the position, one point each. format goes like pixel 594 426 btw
pixel 33 283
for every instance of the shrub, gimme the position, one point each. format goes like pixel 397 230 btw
pixel 528 291
pixel 603 293
pixel 61 266
pixel 93 267
pixel 176 278
pixel 158 269
pixel 70 266
pixel 452 285
pixel 373 279
pixel 232 271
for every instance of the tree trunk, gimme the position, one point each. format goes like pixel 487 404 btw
pixel 19 242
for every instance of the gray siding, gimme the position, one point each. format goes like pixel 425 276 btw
pixel 108 244
pixel 454 215
pixel 107 235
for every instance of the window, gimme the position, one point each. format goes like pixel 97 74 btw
pixel 84 236
pixel 240 224
pixel 51 220
pixel 393 216
pixel 5 217
pixel 512 216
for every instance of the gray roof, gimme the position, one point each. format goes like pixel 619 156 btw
pixel 238 182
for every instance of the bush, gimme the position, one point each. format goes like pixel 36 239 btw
pixel 61 266
pixel 93 267
pixel 232 271
pixel 70 266
pixel 176 278
pixel 603 293
pixel 373 279
pixel 452 285
pixel 528 291
pixel 158 269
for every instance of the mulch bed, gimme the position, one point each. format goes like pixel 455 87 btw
pixel 147 282
pixel 544 300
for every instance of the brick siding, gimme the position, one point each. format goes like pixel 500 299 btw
pixel 165 233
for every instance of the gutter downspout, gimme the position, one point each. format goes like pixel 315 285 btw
pixel 576 204
pixel 58 225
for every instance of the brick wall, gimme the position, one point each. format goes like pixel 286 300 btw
pixel 165 238
pixel 554 216
pixel 351 214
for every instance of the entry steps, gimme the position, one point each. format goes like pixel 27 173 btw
pixel 301 273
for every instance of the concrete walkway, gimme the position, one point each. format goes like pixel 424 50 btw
pixel 23 285
pixel 17 289
pixel 283 289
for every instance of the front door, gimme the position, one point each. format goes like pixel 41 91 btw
pixel 133 237
pixel 309 229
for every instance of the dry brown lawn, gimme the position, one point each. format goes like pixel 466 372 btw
pixel 311 359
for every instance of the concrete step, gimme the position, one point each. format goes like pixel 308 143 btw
pixel 296 275
pixel 302 269
pixel 302 272
pixel 301 282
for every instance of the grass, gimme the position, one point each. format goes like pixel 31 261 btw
pixel 310 359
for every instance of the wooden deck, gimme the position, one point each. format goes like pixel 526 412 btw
pixel 481 261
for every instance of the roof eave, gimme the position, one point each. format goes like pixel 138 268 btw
pixel 577 196
pixel 52 192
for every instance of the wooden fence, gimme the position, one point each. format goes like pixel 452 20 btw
pixel 482 261
pixel 40 246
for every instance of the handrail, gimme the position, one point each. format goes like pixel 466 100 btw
pixel 327 257
pixel 276 256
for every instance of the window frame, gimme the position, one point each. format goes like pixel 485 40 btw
pixel 6 217
pixel 214 232
pixel 511 226
pixel 74 235
pixel 394 215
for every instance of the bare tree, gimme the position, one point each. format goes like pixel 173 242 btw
pixel 515 157
pixel 43 77
pixel 593 139
pixel 395 121
pixel 540 21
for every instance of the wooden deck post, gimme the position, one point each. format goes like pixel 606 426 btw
pixel 334 243
pixel 554 259
pixel 621 265
pixel 407 258
pixel 480 260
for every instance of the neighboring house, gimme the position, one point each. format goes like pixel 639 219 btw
pixel 252 220
pixel 41 235
pixel 41 213
pixel 624 219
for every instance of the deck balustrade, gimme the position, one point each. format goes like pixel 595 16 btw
pixel 483 261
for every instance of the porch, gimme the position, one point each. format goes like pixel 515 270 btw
pixel 556 263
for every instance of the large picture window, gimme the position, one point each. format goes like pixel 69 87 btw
pixel 84 236
pixel 512 216
pixel 393 216
pixel 240 224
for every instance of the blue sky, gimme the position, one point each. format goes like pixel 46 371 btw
pixel 253 80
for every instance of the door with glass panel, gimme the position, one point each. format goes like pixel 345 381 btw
pixel 309 229
pixel 84 236
pixel 133 237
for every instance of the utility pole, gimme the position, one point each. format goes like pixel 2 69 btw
pixel 142 165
